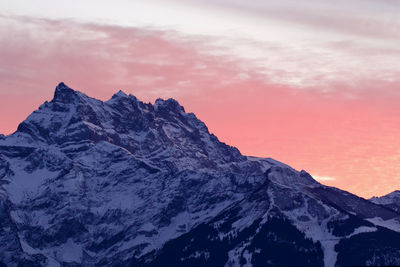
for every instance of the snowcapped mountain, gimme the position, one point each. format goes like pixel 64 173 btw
pixel 391 201
pixel 125 183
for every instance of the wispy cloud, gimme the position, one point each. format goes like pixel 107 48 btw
pixel 364 18
pixel 308 44
pixel 323 178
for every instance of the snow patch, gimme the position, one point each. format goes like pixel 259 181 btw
pixel 24 185
pixel 392 224
pixel 362 229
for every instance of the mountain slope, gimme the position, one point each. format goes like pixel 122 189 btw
pixel 123 182
pixel 391 201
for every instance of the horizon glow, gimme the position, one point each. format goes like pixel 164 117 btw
pixel 314 85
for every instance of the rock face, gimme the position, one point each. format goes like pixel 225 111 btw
pixel 91 183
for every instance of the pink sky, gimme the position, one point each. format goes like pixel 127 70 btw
pixel 330 109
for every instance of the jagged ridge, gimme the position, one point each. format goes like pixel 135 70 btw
pixel 123 182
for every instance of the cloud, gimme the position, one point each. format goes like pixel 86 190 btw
pixel 365 18
pixel 307 44
pixel 324 178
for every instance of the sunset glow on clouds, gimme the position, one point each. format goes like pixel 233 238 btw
pixel 315 85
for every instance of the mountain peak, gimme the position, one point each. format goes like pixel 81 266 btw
pixel 169 104
pixel 120 93
pixel 61 87
pixel 63 93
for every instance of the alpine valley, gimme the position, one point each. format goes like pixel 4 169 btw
pixel 125 183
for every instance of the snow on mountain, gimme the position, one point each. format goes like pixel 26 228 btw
pixel 122 182
pixel 391 200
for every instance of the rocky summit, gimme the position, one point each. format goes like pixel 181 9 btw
pixel 125 183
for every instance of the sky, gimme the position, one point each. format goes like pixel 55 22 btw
pixel 312 83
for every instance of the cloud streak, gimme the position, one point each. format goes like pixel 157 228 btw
pixel 367 18
pixel 312 43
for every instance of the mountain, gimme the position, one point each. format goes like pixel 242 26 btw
pixel 391 201
pixel 126 183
